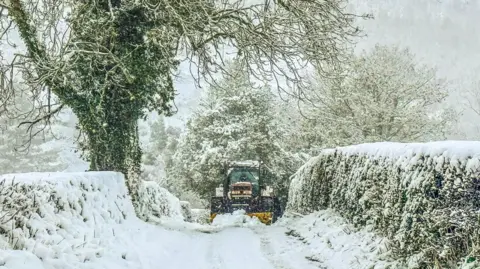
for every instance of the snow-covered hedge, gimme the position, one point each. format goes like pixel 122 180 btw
pixel 201 216
pixel 155 202
pixel 186 211
pixel 424 197
pixel 58 215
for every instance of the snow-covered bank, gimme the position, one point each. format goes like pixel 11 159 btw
pixel 424 197
pixel 328 240
pixel 75 220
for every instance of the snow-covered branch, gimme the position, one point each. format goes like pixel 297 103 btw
pixel 277 40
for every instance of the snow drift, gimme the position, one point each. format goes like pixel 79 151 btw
pixel 424 197
pixel 76 220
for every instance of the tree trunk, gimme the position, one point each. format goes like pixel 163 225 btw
pixel 113 143
pixel 133 164
pixel 117 149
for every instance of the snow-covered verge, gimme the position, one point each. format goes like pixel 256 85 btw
pixel 75 220
pixel 329 241
pixel 423 197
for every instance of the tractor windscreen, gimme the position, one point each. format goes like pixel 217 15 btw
pixel 245 174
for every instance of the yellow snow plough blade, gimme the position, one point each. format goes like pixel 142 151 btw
pixel 212 216
pixel 264 217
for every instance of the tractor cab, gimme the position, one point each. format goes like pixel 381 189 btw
pixel 242 180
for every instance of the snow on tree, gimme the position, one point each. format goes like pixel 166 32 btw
pixel 159 137
pixel 171 145
pixel 235 122
pixel 289 118
pixel 112 61
pixel 385 96
pixel 157 140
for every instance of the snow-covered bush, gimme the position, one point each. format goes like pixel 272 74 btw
pixel 424 197
pixel 155 202
pixel 57 216
pixel 326 237
pixel 186 211
pixel 201 216
pixel 17 205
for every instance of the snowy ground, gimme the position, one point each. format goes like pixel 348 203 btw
pixel 97 229
pixel 319 240
pixel 228 243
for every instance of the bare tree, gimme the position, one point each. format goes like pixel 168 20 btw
pixel 110 61
pixel 386 96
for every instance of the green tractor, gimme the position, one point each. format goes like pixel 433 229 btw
pixel 244 188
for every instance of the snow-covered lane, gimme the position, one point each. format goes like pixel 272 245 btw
pixel 238 248
pixel 232 248
pixel 187 251
pixel 91 224
pixel 284 252
pixel 259 247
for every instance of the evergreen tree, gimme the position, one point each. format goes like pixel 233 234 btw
pixel 159 135
pixel 153 165
pixel 157 141
pixel 171 145
pixel 234 122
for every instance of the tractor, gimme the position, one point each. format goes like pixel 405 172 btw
pixel 244 188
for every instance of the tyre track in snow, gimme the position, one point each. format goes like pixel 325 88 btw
pixel 257 247
pixel 270 253
pixel 216 260
pixel 240 247
pixel 284 252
